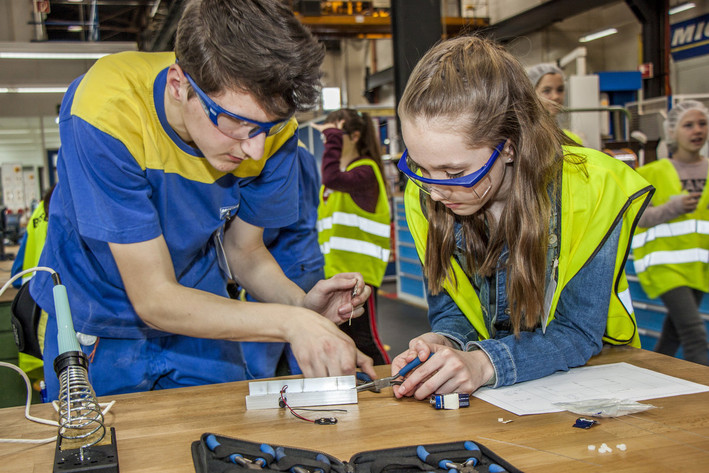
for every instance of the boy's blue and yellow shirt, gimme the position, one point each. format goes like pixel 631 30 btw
pixel 125 176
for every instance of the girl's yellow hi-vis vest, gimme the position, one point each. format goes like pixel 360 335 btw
pixel 593 201
pixel 352 239
pixel 676 253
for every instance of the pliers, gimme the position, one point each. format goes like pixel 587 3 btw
pixel 377 385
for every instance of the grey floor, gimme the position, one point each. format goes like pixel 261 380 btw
pixel 398 321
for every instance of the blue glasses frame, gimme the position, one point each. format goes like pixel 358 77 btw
pixel 213 111
pixel 468 180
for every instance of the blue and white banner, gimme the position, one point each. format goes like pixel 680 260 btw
pixel 690 38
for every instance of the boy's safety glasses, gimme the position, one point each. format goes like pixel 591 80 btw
pixel 233 125
pixel 412 170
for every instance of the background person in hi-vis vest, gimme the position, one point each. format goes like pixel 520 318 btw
pixel 27 257
pixel 523 238
pixel 548 82
pixel 671 246
pixel 354 220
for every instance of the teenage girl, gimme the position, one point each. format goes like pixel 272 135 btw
pixel 523 238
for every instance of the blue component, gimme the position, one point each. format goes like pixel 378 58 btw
pixel 495 468
pixel 459 400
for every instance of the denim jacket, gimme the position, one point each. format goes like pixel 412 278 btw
pixel 571 338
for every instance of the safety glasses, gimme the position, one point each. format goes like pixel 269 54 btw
pixel 412 171
pixel 233 125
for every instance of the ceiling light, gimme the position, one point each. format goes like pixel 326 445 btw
pixel 14 132
pixel 62 50
pixel 597 35
pixel 681 7
pixel 15 55
pixel 331 98
pixel 33 90
pixel 75 28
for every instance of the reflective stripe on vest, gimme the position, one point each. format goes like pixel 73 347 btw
pixel 691 255
pixel 352 220
pixel 352 239
pixel 672 229
pixel 355 246
pixel 675 253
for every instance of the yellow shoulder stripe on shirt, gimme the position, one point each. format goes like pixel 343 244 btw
pixel 125 82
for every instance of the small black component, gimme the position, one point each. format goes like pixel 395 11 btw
pixel 326 421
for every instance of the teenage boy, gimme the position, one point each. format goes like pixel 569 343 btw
pixel 170 166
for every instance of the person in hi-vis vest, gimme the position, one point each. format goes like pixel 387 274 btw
pixel 523 236
pixel 354 220
pixel 671 247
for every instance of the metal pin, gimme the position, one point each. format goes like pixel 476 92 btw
pixel 354 293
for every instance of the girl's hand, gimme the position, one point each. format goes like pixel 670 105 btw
pixel 450 371
pixel 690 201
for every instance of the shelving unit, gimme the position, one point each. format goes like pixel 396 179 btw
pixel 409 275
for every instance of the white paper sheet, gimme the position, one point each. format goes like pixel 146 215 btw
pixel 612 381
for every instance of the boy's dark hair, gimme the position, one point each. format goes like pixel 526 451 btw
pixel 255 46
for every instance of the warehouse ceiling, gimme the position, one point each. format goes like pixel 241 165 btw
pixel 136 21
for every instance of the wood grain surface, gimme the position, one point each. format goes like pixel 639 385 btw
pixel 154 430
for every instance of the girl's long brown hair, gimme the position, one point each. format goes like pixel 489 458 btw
pixel 481 91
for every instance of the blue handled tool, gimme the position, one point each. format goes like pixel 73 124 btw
pixel 378 384
pixel 495 468
pixel 322 458
pixel 280 453
pixel 236 458
pixel 267 449
pixel 445 464
pixel 466 467
pixel 472 447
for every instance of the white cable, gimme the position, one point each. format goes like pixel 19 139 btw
pixel 22 273
pixel 107 407
pixel 39 420
pixel 29 399
pixel 27 408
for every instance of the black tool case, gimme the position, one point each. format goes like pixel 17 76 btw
pixel 392 460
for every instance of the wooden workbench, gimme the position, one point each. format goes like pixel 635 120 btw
pixel 154 430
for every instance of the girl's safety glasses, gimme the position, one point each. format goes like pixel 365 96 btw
pixel 233 125
pixel 412 171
